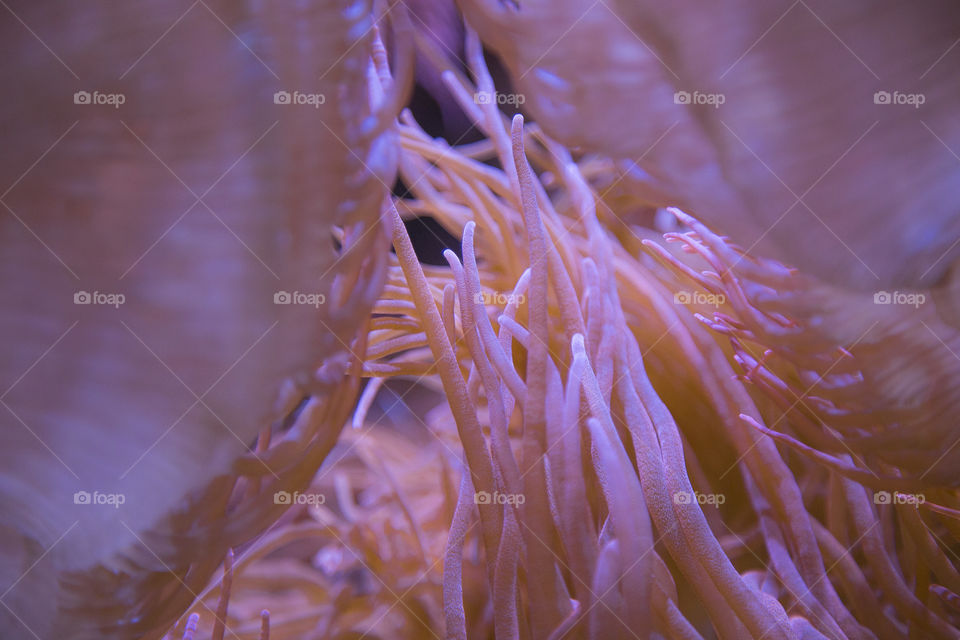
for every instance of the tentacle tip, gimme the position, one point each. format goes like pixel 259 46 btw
pixel 680 215
pixel 577 344
pixel 451 257
pixel 448 77
pixel 516 131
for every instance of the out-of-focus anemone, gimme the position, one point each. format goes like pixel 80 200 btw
pixel 157 400
pixel 762 118
pixel 360 547
pixel 620 478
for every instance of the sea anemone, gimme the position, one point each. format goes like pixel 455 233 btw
pixel 617 476
pixel 161 230
pixel 597 417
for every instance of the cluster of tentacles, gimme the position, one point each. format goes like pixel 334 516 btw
pixel 597 466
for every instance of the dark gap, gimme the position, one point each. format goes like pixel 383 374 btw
pixel 440 117
pixel 430 240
